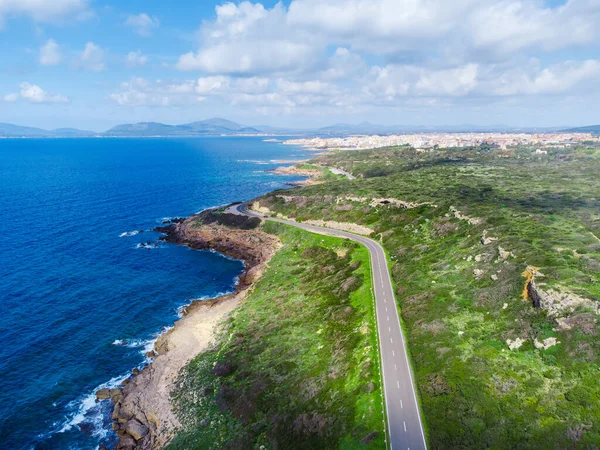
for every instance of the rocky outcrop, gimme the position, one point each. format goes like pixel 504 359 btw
pixel 251 246
pixel 485 239
pixel 515 344
pixel 559 304
pixel 398 203
pixel 312 174
pixel 142 415
pixel 461 216
pixel 546 343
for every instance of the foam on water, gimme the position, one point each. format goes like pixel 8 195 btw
pixel 87 410
pixel 181 310
pixel 129 233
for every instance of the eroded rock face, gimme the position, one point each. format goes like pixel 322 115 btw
pixel 559 304
pixel 135 429
pixel 250 246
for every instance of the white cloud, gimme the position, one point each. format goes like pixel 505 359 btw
pixel 344 64
pixel 143 24
pixel 35 94
pixel 347 55
pixel 91 58
pixel 11 97
pixel 133 93
pixel 566 77
pixel 392 26
pixel 44 11
pixel 249 39
pixel 454 82
pixel 255 93
pixel 50 54
pixel 136 59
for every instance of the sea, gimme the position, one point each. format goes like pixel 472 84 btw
pixel 85 284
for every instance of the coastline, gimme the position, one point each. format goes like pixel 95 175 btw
pixel 142 414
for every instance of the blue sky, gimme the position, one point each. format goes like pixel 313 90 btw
pixel 93 64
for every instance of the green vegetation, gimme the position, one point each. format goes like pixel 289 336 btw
pixel 461 295
pixel 229 220
pixel 296 367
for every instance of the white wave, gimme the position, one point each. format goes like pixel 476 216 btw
pixel 181 310
pixel 253 161
pixel 129 233
pixel 135 343
pixel 86 409
pixel 148 245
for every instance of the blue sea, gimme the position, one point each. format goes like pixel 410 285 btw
pixel 80 301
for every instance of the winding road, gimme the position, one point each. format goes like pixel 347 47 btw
pixel 405 430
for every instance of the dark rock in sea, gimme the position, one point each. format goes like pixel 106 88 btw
pixel 166 230
pixel 173 220
pixel 148 244
pixel 103 394
pixel 135 429
pixel 135 371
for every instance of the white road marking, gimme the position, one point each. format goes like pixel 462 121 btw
pixel 391 340
pixel 388 318
pixel 404 426
pixel 398 383
pixel 393 353
pixel 401 405
pixel 395 368
pixel 390 329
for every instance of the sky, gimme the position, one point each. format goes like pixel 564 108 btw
pixel 92 64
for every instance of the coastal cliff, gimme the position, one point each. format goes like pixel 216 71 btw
pixel 143 416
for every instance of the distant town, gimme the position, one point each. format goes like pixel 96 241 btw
pixel 446 140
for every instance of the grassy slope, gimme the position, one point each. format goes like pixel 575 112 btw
pixel 297 367
pixel 475 392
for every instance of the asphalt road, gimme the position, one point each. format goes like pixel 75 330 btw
pixel 405 430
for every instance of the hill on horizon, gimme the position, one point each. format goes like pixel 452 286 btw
pixel 587 129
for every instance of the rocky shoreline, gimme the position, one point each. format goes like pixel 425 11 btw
pixel 142 414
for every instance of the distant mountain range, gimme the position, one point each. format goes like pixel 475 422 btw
pixel 223 127
pixel 9 130
pixel 590 129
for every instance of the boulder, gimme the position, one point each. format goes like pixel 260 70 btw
pixel 103 394
pixel 135 429
pixel 126 442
